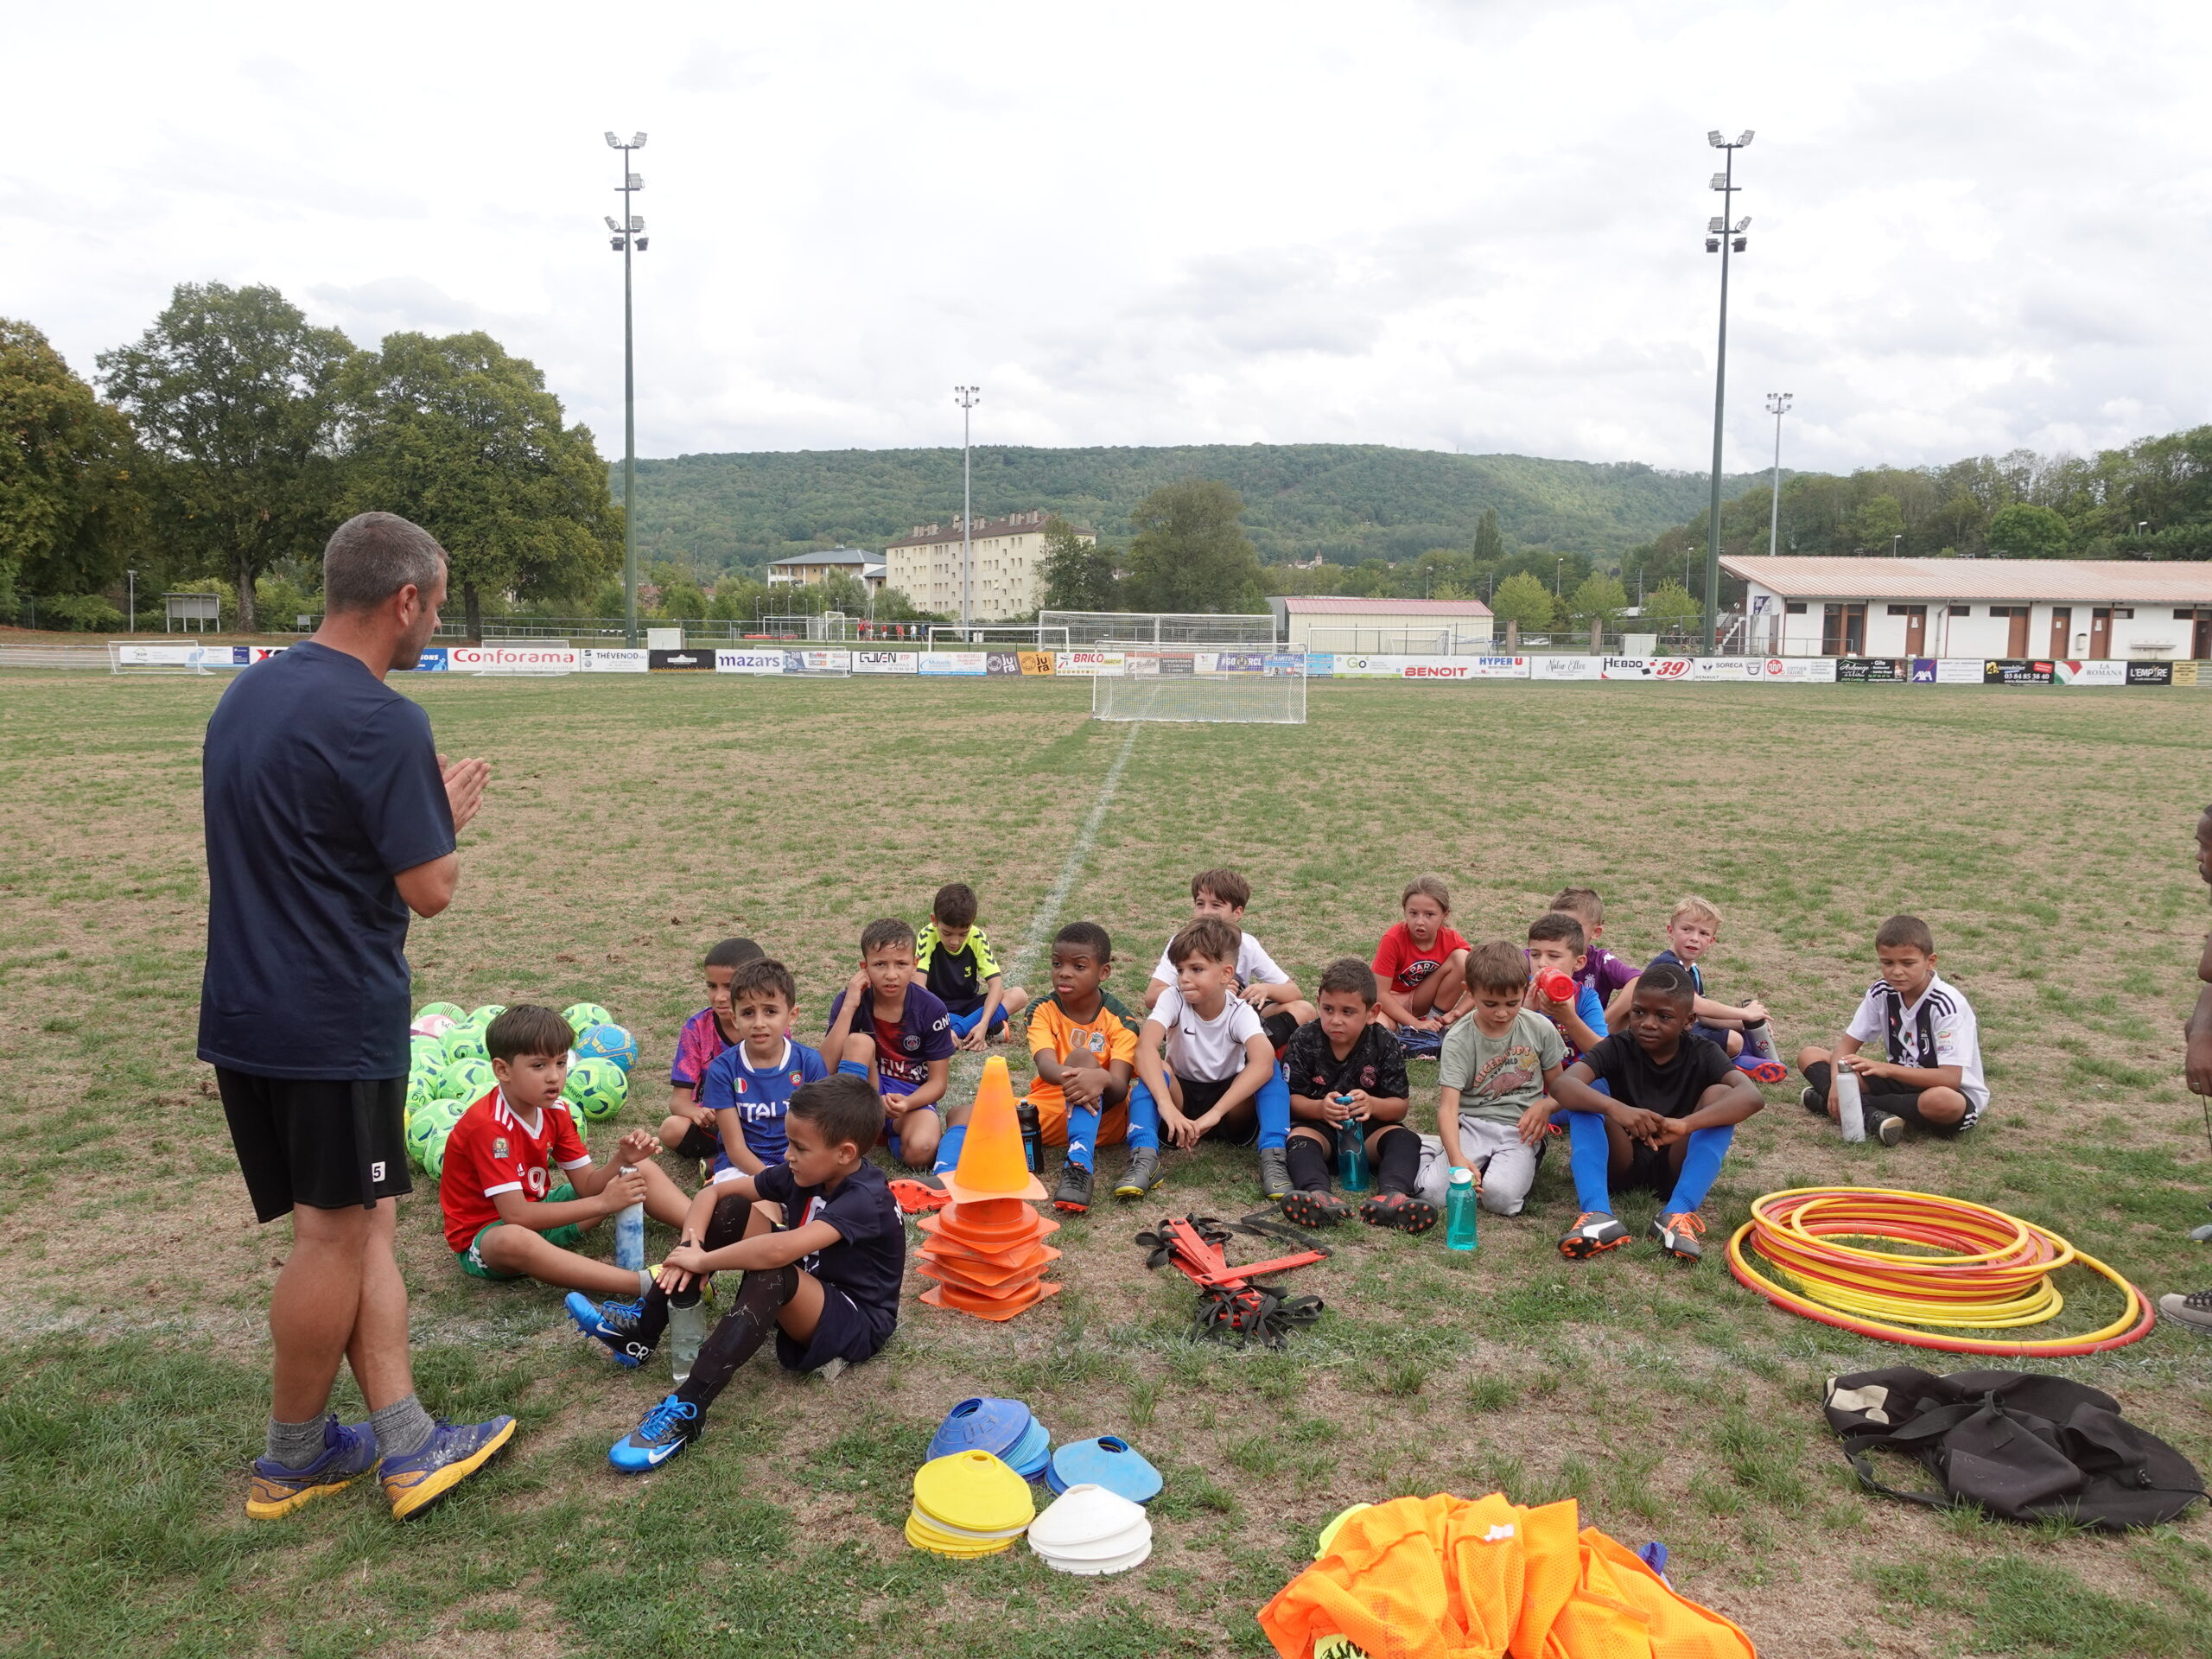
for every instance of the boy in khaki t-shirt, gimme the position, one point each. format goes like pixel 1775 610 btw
pixel 1493 1103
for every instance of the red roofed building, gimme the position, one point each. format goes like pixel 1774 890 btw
pixel 1413 627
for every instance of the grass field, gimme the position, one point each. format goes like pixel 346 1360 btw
pixel 630 823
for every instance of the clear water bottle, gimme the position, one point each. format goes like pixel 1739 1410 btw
pixel 1850 1110
pixel 629 1234
pixel 687 1328
pixel 1461 1206
pixel 1351 1154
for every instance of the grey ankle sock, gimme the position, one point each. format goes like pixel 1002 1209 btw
pixel 295 1445
pixel 645 1282
pixel 403 1428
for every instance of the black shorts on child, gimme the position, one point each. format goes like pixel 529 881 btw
pixel 1650 1169
pixel 1904 1101
pixel 1199 1095
pixel 843 1333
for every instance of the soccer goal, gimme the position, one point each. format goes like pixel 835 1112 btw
pixel 1251 687
pixel 1025 637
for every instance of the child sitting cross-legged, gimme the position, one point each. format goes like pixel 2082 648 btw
pixel 1220 1080
pixel 688 1129
pixel 822 1249
pixel 749 1087
pixel 1930 1071
pixel 1601 970
pixel 1556 946
pixel 1346 1069
pixel 1084 1044
pixel 1675 1103
pixel 506 1216
pixel 1493 1111
pixel 1421 963
pixel 894 1032
pixel 1742 1031
pixel 1272 992
pixel 953 955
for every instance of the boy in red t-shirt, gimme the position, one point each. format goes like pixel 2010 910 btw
pixel 1420 966
pixel 505 1216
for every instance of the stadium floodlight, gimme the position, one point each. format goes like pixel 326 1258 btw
pixel 629 237
pixel 1743 138
pixel 1720 181
pixel 638 141
pixel 1713 139
pixel 967 398
pixel 637 224
pixel 611 224
pixel 1742 224
pixel 1713 226
pixel 1777 404
pixel 1719 239
pixel 612 142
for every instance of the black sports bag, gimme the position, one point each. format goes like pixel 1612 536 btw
pixel 2023 1446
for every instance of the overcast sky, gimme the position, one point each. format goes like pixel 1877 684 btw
pixel 1475 227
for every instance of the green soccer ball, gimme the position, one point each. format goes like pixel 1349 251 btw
pixel 426 1053
pixel 434 1152
pixel 440 1010
pixel 465 1043
pixel 597 1089
pixel 423 1087
pixel 484 1016
pixel 582 1016
pixel 422 1125
pixel 467 1081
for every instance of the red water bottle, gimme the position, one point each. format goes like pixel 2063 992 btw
pixel 1559 987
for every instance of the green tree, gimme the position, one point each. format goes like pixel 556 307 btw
pixel 68 512
pixel 1490 544
pixel 1521 598
pixel 235 398
pixel 1878 518
pixel 2026 531
pixel 1599 597
pixel 465 440
pixel 1079 574
pixel 1189 554
pixel 1671 607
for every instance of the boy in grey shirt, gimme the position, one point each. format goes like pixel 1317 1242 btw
pixel 1493 1105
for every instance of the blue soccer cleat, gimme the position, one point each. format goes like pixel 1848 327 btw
pixel 451 1455
pixel 668 1428
pixel 614 1324
pixel 349 1453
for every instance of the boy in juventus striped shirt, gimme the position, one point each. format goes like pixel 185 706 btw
pixel 1930 1071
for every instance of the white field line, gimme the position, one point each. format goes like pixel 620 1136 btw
pixel 1048 910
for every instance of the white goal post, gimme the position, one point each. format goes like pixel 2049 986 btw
pixel 823 664
pixel 1001 637
pixel 1220 684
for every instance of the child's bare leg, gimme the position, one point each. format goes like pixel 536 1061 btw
pixel 1943 1107
pixel 516 1249
pixel 1303 1012
pixel 1449 981
pixel 665 1200
pixel 919 1131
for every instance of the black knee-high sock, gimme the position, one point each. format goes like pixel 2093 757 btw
pixel 1821 1074
pixel 1397 1159
pixel 740 1334
pixel 726 1226
pixel 1309 1165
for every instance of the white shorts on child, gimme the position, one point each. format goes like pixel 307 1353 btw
pixel 1508 1166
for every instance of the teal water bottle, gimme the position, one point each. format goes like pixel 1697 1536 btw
pixel 1460 1208
pixel 1351 1153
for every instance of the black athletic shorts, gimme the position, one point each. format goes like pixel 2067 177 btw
pixel 843 1333
pixel 1650 1169
pixel 328 1144
pixel 699 1142
pixel 1240 1129
pixel 1904 1101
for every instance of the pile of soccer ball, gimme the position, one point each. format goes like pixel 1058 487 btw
pixel 451 1071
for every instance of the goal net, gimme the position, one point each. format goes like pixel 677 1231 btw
pixel 819 665
pixel 1030 637
pixel 1251 687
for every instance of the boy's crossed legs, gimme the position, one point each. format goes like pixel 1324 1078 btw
pixel 1264 1117
pixel 508 1250
pixel 1601 1154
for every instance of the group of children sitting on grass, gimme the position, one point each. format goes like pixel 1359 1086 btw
pixel 1643 1074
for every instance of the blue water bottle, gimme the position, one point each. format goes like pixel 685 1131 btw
pixel 1459 1209
pixel 1351 1153
pixel 630 1235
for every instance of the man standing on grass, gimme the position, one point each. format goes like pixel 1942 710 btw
pixel 2195 1309
pixel 330 816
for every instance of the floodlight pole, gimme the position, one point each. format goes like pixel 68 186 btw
pixel 967 398
pixel 1777 404
pixel 627 234
pixel 132 601
pixel 1720 238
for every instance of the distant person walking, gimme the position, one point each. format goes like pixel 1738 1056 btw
pixel 331 815
pixel 2195 1308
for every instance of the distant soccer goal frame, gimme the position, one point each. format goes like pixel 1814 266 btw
pixel 835 664
pixel 951 636
pixel 1217 686
pixel 1163 628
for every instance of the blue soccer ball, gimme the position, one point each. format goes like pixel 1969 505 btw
pixel 609 1043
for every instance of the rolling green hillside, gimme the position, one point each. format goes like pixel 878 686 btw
pixel 1346 501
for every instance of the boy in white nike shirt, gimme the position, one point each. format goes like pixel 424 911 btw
pixel 1260 985
pixel 1930 1071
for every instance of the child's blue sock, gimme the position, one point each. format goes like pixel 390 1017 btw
pixel 1588 1153
pixel 948 1150
pixel 1144 1117
pixel 1082 1133
pixel 1701 1168
pixel 1274 1106
pixel 851 1068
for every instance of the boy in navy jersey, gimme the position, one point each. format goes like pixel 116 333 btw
pixel 749 1085
pixel 1930 1069
pixel 953 955
pixel 894 1032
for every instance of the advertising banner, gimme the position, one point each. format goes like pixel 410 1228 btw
pixel 817 662
pixel 735 661
pixel 955 662
pixel 1279 663
pixel 513 659
pixel 1644 668
pixel 2104 671
pixel 660 661
pixel 1035 663
pixel 886 661
pixel 2184 674
pixel 1349 666
pixel 1873 671
pixel 1947 670
pixel 1091 663
pixel 2149 673
pixel 620 660
pixel 432 661
pixel 1184 666
pixel 1742 669
pixel 1003 661
pixel 1232 662
pixel 2016 670
pixel 1567 668
pixel 183 656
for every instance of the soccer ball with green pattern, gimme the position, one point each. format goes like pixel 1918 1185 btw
pixel 582 1016
pixel 597 1089
pixel 465 1043
pixel 452 1011
pixel 422 1124
pixel 468 1081
pixel 484 1016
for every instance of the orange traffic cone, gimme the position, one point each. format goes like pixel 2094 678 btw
pixel 987 1247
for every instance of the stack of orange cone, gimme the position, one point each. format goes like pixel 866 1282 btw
pixel 987 1247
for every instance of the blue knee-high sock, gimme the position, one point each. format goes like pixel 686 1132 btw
pixel 851 1068
pixel 948 1148
pixel 1588 1153
pixel 1082 1133
pixel 1274 1105
pixel 1701 1168
pixel 1144 1118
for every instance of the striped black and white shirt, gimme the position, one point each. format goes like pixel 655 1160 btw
pixel 1938 1030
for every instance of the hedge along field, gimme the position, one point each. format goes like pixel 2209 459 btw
pixel 630 823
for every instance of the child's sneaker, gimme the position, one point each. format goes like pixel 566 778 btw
pixel 2193 1310
pixel 349 1453
pixel 1314 1208
pixel 1813 1101
pixel 1421 1044
pixel 1274 1172
pixel 1885 1126
pixel 1398 1209
pixel 668 1428
pixel 1678 1235
pixel 1073 1193
pixel 1142 1174
pixel 1593 1231
pixel 451 1455
pixel 614 1324
pixel 1760 1069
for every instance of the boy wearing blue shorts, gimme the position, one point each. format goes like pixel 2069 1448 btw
pixel 953 955
pixel 894 1032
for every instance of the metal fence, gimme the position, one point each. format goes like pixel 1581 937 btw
pixel 1161 627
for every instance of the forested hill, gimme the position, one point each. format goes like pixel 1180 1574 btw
pixel 1344 500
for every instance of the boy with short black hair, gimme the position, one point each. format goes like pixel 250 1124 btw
pixel 1271 993
pixel 1219 1081
pixel 1084 1044
pixel 1494 1108
pixel 1603 971
pixel 748 1086
pixel 1930 1074
pixel 1666 1126
pixel 894 1032
pixel 822 1249
pixel 1742 1031
pixel 953 955
pixel 688 1129
pixel 1346 1067
pixel 505 1216
pixel 1556 946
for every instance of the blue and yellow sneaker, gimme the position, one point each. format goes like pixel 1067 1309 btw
pixel 668 1428
pixel 451 1455
pixel 614 1324
pixel 349 1450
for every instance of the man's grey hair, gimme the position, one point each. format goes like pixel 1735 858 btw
pixel 372 556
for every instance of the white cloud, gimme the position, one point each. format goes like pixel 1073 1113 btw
pixel 1477 226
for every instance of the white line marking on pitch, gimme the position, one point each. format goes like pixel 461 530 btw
pixel 1048 911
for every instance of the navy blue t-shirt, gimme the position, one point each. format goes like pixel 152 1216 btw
pixel 320 782
pixel 869 1261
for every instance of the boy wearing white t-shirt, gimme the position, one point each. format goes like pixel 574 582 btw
pixel 1218 1079
pixel 1259 981
pixel 1930 1071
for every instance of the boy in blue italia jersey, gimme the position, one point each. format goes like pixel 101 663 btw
pixel 748 1086
pixel 953 955
pixel 885 1028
